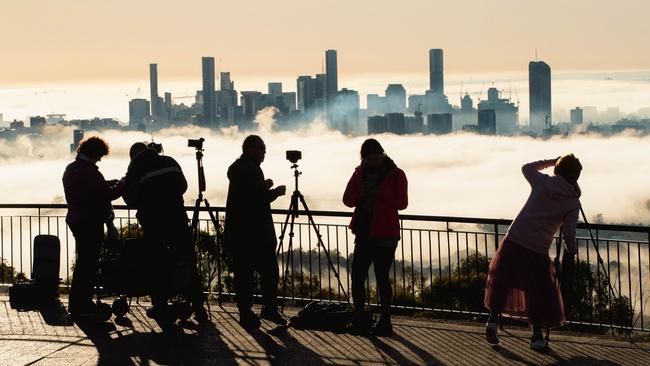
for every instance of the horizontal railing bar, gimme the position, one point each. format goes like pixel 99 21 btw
pixel 444 219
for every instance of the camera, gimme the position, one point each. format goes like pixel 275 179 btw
pixel 196 143
pixel 157 147
pixel 294 155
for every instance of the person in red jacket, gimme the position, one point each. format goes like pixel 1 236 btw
pixel 376 190
pixel 89 197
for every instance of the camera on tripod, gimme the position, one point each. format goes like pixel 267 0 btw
pixel 294 155
pixel 196 143
pixel 157 147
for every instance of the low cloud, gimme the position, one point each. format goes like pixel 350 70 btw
pixel 452 175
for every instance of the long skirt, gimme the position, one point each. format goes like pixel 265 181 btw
pixel 521 282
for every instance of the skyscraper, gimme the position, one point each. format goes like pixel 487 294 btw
pixel 539 91
pixel 209 96
pixel 275 89
pixel 396 98
pixel 436 75
pixel 331 70
pixel 138 111
pixel 153 85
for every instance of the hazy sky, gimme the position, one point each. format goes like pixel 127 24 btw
pixel 74 40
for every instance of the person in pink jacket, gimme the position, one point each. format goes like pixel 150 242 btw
pixel 521 278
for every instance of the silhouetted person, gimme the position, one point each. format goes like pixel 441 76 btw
pixel 521 277
pixel 155 184
pixel 376 190
pixel 249 232
pixel 89 197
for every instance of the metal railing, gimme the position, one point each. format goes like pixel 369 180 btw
pixel 441 263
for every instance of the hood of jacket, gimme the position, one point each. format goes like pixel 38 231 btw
pixel 558 188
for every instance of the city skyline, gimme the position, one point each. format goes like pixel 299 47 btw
pixel 367 35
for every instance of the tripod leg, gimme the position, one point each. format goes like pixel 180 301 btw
pixel 217 229
pixel 195 220
pixel 320 242
pixel 284 227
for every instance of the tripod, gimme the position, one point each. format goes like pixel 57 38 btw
pixel 197 208
pixel 289 221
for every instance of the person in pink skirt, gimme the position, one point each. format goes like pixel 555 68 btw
pixel 521 279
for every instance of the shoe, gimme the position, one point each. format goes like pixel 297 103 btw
pixel 538 343
pixel 358 326
pixel 273 315
pixel 383 328
pixel 201 316
pixel 248 320
pixel 491 332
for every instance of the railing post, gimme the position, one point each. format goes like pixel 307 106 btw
pixel 496 237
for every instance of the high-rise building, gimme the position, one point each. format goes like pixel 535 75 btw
pixel 209 110
pixel 1 118
pixel 37 122
pixel 487 121
pixel 275 89
pixel 414 124
pixel 311 92
pixel 506 112
pixel 396 123
pixel 375 104
pixel 439 123
pixel 225 82
pixel 577 115
pixel 539 91
pixel 77 136
pixel 436 72
pixel 153 85
pixel 377 125
pixel 331 70
pixel 396 98
pixel 138 111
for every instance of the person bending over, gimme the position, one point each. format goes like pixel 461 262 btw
pixel 155 184
pixel 521 277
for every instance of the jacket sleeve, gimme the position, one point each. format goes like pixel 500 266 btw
pixel 531 171
pixel 397 197
pixel 352 194
pixel 569 230
pixel 182 181
pixel 131 191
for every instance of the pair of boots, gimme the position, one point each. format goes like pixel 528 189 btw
pixel 362 325
pixel 249 320
pixel 537 341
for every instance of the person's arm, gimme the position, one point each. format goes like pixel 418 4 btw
pixel 397 198
pixel 569 231
pixel 531 171
pixel 352 194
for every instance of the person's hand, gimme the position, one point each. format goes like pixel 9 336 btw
pixel 281 190
pixel 112 182
pixel 268 183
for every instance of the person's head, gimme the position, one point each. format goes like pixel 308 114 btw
pixel 137 149
pixel 569 168
pixel 254 147
pixel 372 153
pixel 94 148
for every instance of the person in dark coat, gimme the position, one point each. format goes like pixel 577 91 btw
pixel 155 185
pixel 376 190
pixel 249 232
pixel 89 197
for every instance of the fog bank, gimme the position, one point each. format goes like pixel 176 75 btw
pixel 452 175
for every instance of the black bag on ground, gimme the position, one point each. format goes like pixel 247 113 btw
pixel 321 315
pixel 44 285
